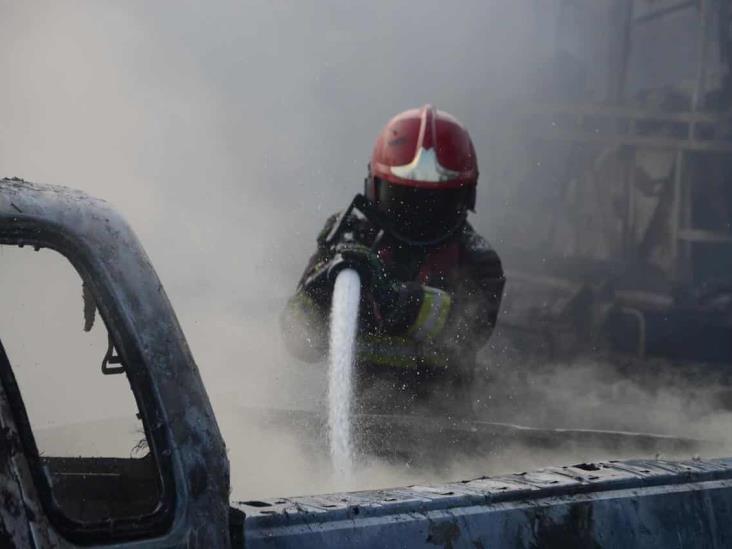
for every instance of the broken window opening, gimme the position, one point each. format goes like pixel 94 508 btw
pixel 83 433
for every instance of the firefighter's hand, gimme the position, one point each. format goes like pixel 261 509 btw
pixel 360 258
pixel 366 263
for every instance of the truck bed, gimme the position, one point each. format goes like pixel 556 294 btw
pixel 638 503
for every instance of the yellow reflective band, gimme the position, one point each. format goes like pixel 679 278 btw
pixel 398 352
pixel 304 303
pixel 432 314
pixel 422 316
pixel 388 351
pixel 442 317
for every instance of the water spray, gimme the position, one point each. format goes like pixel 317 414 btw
pixel 343 330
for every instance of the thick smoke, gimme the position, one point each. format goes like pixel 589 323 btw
pixel 227 132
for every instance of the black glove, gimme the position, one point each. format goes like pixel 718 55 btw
pixel 384 289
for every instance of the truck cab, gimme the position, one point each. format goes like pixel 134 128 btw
pixel 176 494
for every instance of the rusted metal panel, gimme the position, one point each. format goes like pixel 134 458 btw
pixel 641 503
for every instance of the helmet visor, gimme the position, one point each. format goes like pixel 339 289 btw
pixel 423 215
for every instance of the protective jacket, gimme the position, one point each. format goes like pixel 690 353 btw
pixel 447 311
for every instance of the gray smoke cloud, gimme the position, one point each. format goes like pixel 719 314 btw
pixel 227 132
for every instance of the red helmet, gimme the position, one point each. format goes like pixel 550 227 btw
pixel 423 174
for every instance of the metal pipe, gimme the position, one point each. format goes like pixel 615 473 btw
pixel 629 222
pixel 676 216
pixel 697 98
pixel 619 63
pixel 664 11
pixel 638 314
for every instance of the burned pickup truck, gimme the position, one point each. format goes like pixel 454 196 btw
pixel 173 490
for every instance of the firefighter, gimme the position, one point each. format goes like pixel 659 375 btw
pixel 432 286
